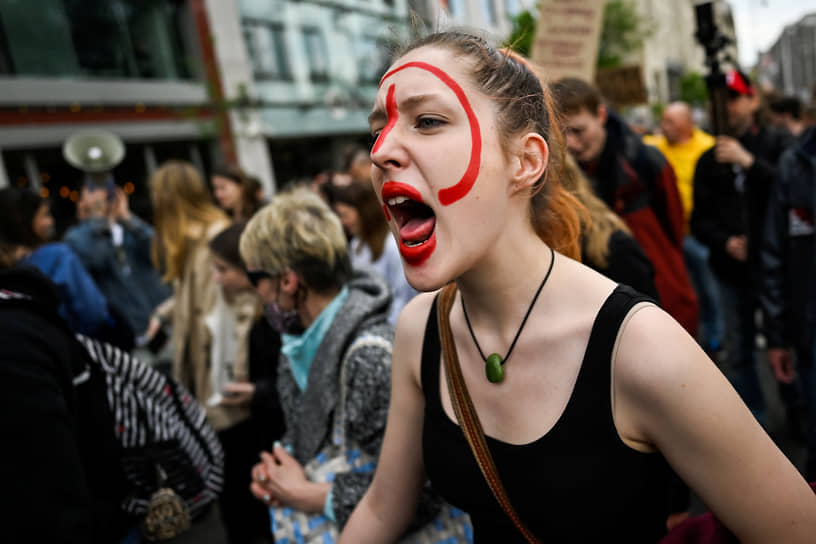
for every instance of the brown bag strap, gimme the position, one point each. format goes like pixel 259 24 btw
pixel 466 413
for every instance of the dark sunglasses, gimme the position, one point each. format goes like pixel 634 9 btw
pixel 255 276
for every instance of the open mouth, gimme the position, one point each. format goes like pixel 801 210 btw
pixel 416 222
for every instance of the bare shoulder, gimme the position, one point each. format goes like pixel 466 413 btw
pixel 659 371
pixel 653 350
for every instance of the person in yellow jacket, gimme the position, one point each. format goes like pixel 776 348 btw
pixel 682 143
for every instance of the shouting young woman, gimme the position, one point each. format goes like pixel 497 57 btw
pixel 586 393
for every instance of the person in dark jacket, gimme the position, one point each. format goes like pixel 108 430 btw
pixel 788 293
pixel 732 183
pixel 607 245
pixel 60 466
pixel 637 183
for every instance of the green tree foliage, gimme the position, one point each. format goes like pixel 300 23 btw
pixel 521 37
pixel 622 32
pixel 693 89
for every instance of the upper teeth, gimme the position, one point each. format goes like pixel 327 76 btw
pixel 397 200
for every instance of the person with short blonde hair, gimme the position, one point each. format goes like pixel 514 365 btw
pixel 298 231
pixel 296 256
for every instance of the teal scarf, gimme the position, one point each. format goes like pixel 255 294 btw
pixel 300 349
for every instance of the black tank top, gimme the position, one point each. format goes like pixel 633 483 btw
pixel 577 483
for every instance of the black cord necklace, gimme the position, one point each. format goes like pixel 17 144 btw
pixel 494 364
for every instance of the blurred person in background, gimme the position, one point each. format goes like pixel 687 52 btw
pixel 229 323
pixel 371 247
pixel 606 243
pixel 682 143
pixel 27 225
pixel 788 292
pixel 358 164
pixel 732 184
pixel 186 222
pixel 637 183
pixel 237 193
pixel 114 246
pixel 786 113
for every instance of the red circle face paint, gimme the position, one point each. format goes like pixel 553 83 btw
pixel 451 194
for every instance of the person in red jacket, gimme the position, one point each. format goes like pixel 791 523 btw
pixel 637 183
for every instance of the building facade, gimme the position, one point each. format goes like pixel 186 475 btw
pixel 789 66
pixel 144 71
pixel 493 17
pixel 315 66
pixel 670 50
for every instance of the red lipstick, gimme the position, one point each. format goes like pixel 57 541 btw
pixel 417 254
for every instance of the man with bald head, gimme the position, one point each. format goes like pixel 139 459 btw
pixel 682 143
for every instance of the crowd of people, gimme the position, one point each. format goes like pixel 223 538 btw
pixel 514 318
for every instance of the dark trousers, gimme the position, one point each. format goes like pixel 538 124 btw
pixel 246 519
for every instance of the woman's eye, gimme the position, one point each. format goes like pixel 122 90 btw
pixel 428 123
pixel 373 140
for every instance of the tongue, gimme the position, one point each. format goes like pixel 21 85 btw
pixel 417 229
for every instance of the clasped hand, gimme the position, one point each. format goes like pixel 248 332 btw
pixel 279 480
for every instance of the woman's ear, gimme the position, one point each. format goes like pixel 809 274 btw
pixel 289 282
pixel 530 161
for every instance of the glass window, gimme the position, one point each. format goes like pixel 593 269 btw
pixel 371 60
pixel 457 9
pixel 317 53
pixel 513 7
pixel 267 50
pixel 97 38
pixel 489 12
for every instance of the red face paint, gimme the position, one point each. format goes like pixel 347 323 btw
pixel 415 255
pixel 448 195
pixel 392 114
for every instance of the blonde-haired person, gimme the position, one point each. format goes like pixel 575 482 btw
pixel 186 220
pixel 336 345
pixel 606 242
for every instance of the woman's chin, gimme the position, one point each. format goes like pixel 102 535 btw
pixel 424 278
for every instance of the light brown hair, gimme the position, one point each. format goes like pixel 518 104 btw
pixel 183 210
pixel 360 195
pixel 599 223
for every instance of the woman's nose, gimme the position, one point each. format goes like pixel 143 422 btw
pixel 388 153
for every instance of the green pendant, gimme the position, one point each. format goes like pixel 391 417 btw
pixel 494 368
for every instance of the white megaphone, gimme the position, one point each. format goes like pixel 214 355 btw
pixel 93 151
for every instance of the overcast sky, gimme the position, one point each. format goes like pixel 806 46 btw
pixel 760 22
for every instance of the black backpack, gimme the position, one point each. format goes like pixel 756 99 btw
pixel 165 439
pixel 163 431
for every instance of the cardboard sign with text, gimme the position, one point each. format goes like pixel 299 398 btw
pixel 622 86
pixel 567 36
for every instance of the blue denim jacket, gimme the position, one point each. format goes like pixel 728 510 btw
pixel 124 274
pixel 83 306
